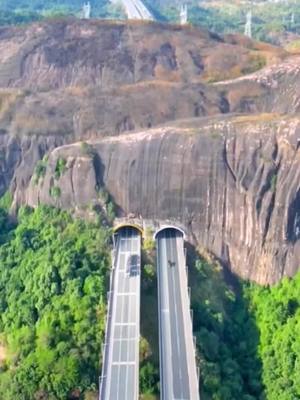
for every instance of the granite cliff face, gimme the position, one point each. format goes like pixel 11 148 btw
pixel 234 183
pixel 232 180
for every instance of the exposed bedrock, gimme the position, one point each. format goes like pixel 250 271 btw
pixel 18 158
pixel 233 182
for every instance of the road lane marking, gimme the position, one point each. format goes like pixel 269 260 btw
pixel 123 363
pixel 127 350
pixel 176 312
pixel 167 336
pixel 111 348
pixel 126 294
pixel 120 348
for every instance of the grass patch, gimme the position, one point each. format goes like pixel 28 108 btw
pixel 8 100
pixel 255 63
pixel 60 168
pixel 40 170
pixel 55 192
pixel 87 149
pixel 273 182
pixel 149 242
pixel 107 204
pixel 6 201
pixel 294 47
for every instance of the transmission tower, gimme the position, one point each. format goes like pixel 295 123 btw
pixel 183 14
pixel 292 20
pixel 86 10
pixel 248 26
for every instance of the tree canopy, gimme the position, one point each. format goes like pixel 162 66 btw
pixel 277 314
pixel 53 272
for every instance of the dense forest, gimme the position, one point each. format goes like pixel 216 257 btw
pixel 53 276
pixel 277 315
pixel 227 336
pixel 52 301
pixel 248 338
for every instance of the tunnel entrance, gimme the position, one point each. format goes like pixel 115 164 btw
pixel 170 229
pixel 133 227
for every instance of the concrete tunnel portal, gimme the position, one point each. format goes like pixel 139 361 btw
pixel 133 226
pixel 171 229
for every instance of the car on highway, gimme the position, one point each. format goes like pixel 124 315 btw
pixel 133 265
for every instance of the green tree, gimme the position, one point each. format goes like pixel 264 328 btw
pixel 53 274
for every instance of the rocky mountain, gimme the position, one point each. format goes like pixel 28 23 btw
pixel 232 180
pixel 110 54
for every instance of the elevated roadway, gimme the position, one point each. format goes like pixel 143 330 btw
pixel 178 371
pixel 135 9
pixel 120 371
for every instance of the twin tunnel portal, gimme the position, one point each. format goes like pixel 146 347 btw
pixel 177 355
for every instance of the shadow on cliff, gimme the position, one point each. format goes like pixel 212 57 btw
pixel 226 332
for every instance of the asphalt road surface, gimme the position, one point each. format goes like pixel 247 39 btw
pixel 120 375
pixel 135 9
pixel 178 373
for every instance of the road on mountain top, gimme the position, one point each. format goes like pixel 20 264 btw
pixel 135 9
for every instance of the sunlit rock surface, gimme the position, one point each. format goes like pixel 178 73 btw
pixel 233 182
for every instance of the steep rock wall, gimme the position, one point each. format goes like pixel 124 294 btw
pixel 234 183
pixel 18 158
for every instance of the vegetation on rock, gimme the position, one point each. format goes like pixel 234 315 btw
pixel 60 168
pixel 55 192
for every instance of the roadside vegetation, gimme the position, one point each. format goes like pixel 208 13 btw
pixel 53 272
pixel 227 335
pixel 149 351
